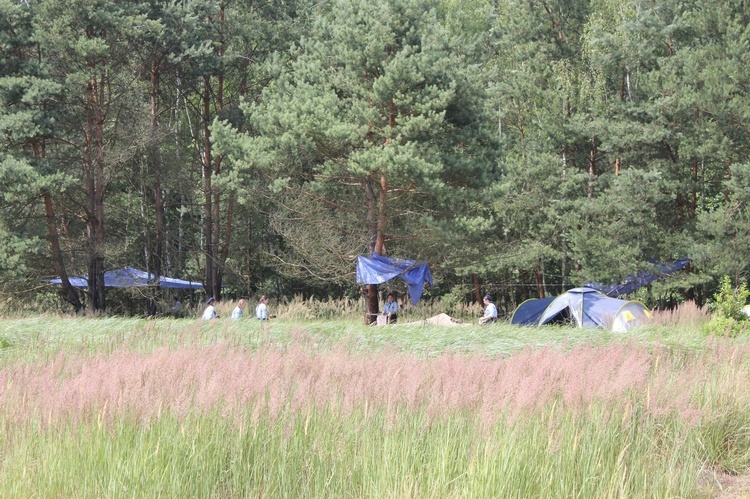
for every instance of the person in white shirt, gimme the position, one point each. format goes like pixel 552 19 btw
pixel 390 309
pixel 490 311
pixel 261 311
pixel 210 312
pixel 237 312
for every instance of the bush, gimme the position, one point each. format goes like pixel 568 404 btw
pixel 728 318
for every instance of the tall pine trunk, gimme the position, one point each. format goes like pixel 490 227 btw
pixel 372 307
pixel 208 212
pixel 53 238
pixel 93 163
pixel 156 253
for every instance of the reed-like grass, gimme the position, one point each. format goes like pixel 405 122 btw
pixel 319 453
pixel 131 407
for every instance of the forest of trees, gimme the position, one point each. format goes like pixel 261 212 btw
pixel 521 147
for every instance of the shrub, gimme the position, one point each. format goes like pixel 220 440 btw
pixel 728 318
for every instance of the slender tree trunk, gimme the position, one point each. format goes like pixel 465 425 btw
pixel 694 178
pixel 371 290
pixel 93 162
pixel 382 216
pixel 53 238
pixel 218 251
pixel 156 263
pixel 592 167
pixel 208 189
pixel 539 274
pixel 70 293
pixel 477 288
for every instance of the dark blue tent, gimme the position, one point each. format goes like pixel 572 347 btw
pixel 379 269
pixel 529 312
pixel 129 277
pixel 633 282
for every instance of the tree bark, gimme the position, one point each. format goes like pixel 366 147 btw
pixel 208 212
pixel 217 253
pixel 93 163
pixel 53 237
pixel 539 274
pixel 156 254
pixel 592 167
pixel 372 307
pixel 477 288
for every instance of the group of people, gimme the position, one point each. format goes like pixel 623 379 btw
pixel 261 310
pixel 390 310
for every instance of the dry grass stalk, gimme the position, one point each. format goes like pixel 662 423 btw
pixel 685 314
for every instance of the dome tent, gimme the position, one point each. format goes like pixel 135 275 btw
pixel 529 312
pixel 588 308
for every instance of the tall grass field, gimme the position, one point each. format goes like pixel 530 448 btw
pixel 306 407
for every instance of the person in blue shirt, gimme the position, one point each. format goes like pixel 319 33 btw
pixel 237 312
pixel 390 309
pixel 490 311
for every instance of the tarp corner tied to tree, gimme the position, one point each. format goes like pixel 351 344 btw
pixel 378 269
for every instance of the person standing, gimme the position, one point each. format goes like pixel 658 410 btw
pixel 390 309
pixel 490 311
pixel 261 311
pixel 210 312
pixel 237 312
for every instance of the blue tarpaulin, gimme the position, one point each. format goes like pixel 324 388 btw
pixel 129 277
pixel 379 269
pixel 634 282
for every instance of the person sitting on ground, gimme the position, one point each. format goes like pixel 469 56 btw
pixel 176 309
pixel 210 312
pixel 390 309
pixel 237 312
pixel 261 311
pixel 490 311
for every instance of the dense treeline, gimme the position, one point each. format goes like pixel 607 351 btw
pixel 520 147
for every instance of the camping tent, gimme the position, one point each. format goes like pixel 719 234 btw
pixel 129 277
pixel 587 307
pixel 529 312
pixel 379 269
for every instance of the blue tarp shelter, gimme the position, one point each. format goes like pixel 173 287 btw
pixel 378 269
pixel 129 277
pixel 586 307
pixel 633 282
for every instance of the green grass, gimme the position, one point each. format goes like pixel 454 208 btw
pixel 27 338
pixel 321 454
pixel 639 445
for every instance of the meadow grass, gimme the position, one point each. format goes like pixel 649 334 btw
pixel 308 408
